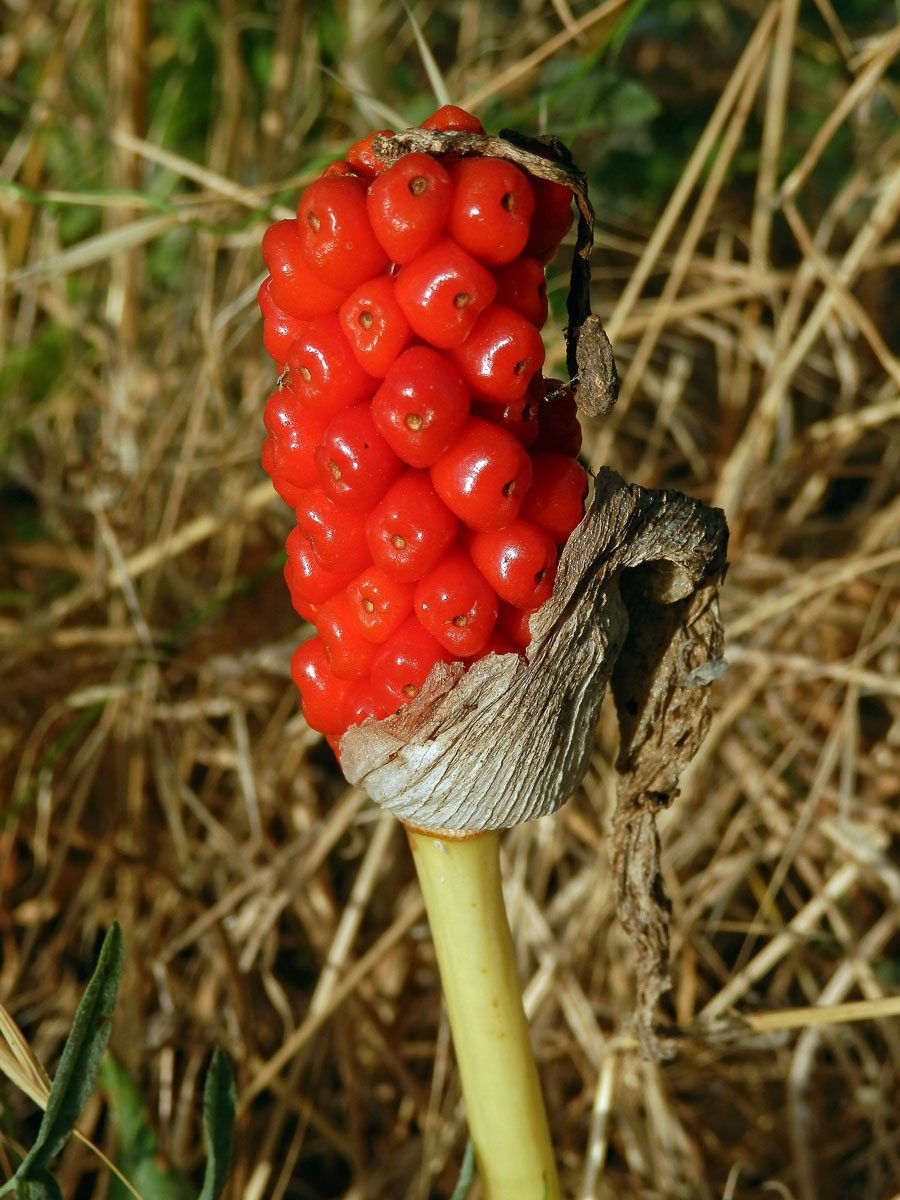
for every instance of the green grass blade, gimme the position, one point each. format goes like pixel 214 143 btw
pixel 466 1173
pixel 39 1186
pixel 80 1062
pixel 218 1122
pixel 138 1154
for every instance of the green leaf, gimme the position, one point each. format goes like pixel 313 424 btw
pixel 466 1174
pixel 219 1102
pixel 138 1155
pixel 79 1064
pixel 39 1186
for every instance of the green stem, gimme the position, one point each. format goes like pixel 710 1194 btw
pixel 460 880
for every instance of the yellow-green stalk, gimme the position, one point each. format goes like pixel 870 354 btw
pixel 460 880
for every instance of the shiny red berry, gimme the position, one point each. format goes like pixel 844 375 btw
pixel 518 561
pixel 451 117
pixel 514 624
pixel 337 534
pixel 497 643
pixel 555 500
pixel 442 291
pixel 289 492
pixel 279 329
pixel 335 234
pixel 293 432
pixel 408 205
pixel 483 476
pixel 411 529
pixel 322 695
pixel 305 608
pixel 551 220
pixel 362 158
pixel 491 209
pixel 374 325
pixel 355 464
pixel 421 406
pixel 558 427
pixel 325 374
pixel 500 355
pixel 522 287
pixel 295 288
pixel 335 170
pixel 456 604
pixel 349 653
pixel 363 704
pixel 379 603
pixel 403 663
pixel 311 583
pixel 519 419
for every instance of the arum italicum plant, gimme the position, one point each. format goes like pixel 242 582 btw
pixel 480 744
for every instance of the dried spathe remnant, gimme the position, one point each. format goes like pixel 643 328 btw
pixel 509 740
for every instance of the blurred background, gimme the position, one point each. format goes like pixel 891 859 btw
pixel 744 163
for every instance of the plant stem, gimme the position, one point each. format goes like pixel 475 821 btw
pixel 460 880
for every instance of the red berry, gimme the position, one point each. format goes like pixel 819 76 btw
pixel 456 604
pixel 484 475
pixel 519 419
pixel 421 406
pixel 496 644
pixel 337 534
pixel 310 582
pixel 500 355
pixel 442 291
pixel 363 704
pixel 336 170
pixel 295 288
pixel 322 695
pixel 384 447
pixel 403 662
pixel 555 500
pixel 558 426
pixel 374 325
pixel 411 529
pixel 522 287
pixel 514 623
pixel 289 492
pixel 450 117
pixel 325 374
pixel 279 329
pixel 491 209
pixel 349 653
pixel 408 205
pixel 551 220
pixel 519 562
pixel 362 158
pixel 355 464
pixel 306 609
pixel 337 240
pixel 379 604
pixel 293 432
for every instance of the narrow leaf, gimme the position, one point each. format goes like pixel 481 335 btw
pixel 466 1174
pixel 39 1186
pixel 137 1153
pixel 80 1060
pixel 429 62
pixel 218 1122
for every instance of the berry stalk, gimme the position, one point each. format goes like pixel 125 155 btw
pixel 460 881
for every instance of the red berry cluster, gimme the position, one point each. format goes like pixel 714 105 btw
pixel 432 467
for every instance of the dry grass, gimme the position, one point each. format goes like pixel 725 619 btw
pixel 155 766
